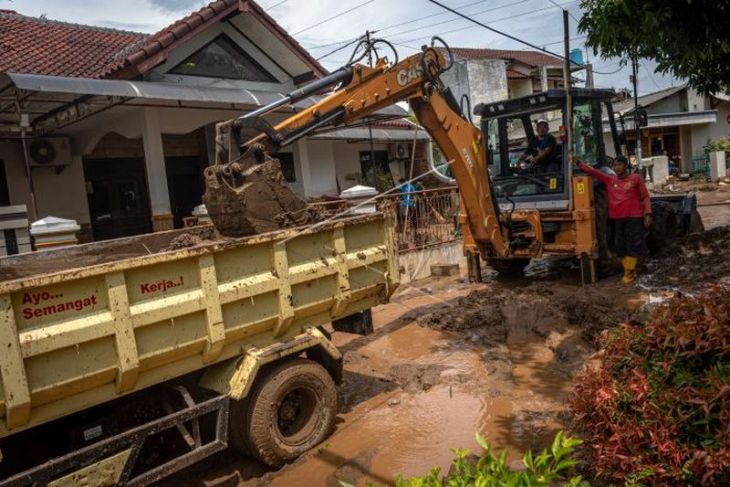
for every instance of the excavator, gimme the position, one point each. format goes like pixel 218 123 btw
pixel 246 192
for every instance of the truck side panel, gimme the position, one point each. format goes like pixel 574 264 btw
pixel 81 337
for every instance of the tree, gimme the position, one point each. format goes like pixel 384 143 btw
pixel 687 38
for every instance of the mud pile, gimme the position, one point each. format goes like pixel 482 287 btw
pixel 490 316
pixel 196 236
pixel 691 262
pixel 251 198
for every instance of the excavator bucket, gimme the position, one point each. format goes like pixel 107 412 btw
pixel 250 197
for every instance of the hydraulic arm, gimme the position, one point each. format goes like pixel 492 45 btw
pixel 245 145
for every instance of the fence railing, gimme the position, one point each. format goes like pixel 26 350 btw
pixel 425 218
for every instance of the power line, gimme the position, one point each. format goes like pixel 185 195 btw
pixel 339 48
pixel 480 24
pixel 561 8
pixel 458 19
pixel 360 5
pixel 425 27
pixel 320 46
pixel 496 31
pixel 651 76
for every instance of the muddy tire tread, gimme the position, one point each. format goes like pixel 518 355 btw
pixel 259 437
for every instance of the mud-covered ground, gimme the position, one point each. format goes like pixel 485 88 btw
pixel 450 358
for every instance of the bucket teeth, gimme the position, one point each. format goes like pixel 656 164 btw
pixel 250 198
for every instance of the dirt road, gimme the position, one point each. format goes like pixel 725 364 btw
pixel 424 382
pixel 449 358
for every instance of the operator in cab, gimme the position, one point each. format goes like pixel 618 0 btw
pixel 541 154
pixel 629 206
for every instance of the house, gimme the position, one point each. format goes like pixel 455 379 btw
pixel 113 128
pixel 680 122
pixel 489 75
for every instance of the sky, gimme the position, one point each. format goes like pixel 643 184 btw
pixel 322 26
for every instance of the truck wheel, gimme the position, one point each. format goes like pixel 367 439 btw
pixel 664 227
pixel 291 409
pixel 508 267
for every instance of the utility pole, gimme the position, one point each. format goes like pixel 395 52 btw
pixel 589 75
pixel 567 77
pixel 637 125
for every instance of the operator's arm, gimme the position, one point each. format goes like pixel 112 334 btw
pixel 544 153
pixel 529 150
pixel 604 178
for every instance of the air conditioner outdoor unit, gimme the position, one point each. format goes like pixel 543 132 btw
pixel 400 150
pixel 50 152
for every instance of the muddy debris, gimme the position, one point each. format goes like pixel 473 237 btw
pixel 196 236
pixel 691 262
pixel 489 317
pixel 417 377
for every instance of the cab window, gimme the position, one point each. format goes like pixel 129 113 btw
pixel 586 135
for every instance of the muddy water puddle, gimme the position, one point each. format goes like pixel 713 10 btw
pixel 441 388
pixel 499 362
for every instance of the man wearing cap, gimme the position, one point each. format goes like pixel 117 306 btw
pixel 629 206
pixel 541 154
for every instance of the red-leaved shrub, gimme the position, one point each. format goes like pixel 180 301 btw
pixel 658 408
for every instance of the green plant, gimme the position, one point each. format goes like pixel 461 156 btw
pixel 546 469
pixel 718 145
pixel 658 409
pixel 686 38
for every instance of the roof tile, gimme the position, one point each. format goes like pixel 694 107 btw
pixel 531 58
pixel 41 46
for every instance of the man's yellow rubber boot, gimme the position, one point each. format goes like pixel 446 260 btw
pixel 629 265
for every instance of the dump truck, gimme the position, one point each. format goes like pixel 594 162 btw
pixel 124 361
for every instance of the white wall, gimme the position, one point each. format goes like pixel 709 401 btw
pixel 347 159
pixel 721 128
pixel 62 195
pixel 322 168
pixel 520 87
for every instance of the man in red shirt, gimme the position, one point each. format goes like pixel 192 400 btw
pixel 629 206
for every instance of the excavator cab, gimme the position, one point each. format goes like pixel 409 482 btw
pixel 509 125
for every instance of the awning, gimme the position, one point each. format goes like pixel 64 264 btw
pixel 659 120
pixel 53 102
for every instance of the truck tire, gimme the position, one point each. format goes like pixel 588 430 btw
pixel 508 267
pixel 291 409
pixel 663 228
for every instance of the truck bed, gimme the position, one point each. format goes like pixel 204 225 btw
pixel 84 325
pixel 85 255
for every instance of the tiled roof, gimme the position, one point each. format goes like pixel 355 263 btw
pixel 147 53
pixel 647 100
pixel 42 46
pixel 531 58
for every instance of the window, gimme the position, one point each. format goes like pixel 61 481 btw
pixel 376 172
pixel 585 135
pixel 286 159
pixel 222 58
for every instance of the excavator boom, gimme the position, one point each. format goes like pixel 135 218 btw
pixel 246 177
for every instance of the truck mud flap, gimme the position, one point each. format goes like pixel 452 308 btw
pixel 112 461
pixel 359 323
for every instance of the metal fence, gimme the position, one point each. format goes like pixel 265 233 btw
pixel 425 218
